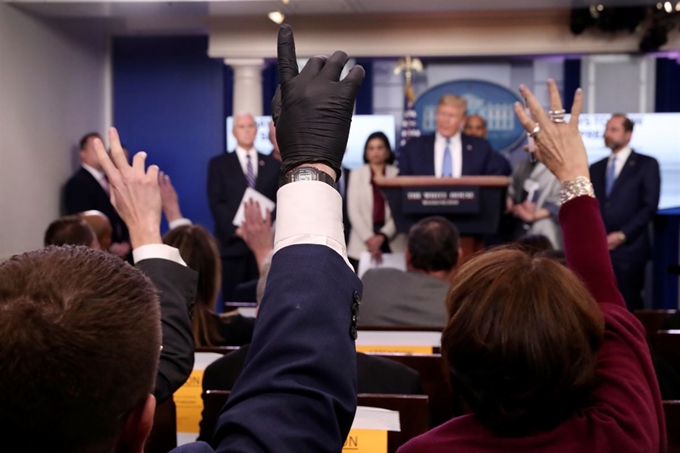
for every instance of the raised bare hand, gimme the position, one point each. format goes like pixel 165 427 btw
pixel 134 191
pixel 560 146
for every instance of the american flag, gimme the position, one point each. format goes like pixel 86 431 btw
pixel 409 127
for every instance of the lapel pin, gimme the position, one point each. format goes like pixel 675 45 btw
pixel 468 147
pixel 261 163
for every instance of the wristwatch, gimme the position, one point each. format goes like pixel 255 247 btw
pixel 307 174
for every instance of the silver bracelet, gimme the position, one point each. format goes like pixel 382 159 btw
pixel 577 188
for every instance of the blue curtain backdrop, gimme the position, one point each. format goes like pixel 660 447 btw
pixel 170 100
pixel 667 86
pixel 364 105
pixel 572 80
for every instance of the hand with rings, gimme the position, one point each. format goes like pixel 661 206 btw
pixel 559 143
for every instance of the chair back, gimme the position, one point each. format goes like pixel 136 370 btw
pixel 412 413
pixel 667 346
pixel 163 436
pixel 443 403
pixel 218 349
pixel 671 410
pixel 653 320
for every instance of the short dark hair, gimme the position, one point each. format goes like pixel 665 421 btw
pixel 557 255
pixel 628 125
pixel 86 137
pixel 433 244
pixel 80 346
pixel 385 140
pixel 533 244
pixel 69 230
pixel 522 341
pixel 199 251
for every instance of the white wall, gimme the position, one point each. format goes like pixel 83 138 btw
pixel 51 92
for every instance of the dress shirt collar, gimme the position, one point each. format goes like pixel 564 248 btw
pixel 243 153
pixel 440 139
pixel 98 174
pixel 621 156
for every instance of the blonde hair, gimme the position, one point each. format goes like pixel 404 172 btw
pixel 454 100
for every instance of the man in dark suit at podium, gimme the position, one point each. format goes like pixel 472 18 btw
pixel 448 152
pixel 88 189
pixel 628 185
pixel 229 175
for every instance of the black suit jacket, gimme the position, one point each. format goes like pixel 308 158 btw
pixel 632 204
pixel 374 375
pixel 417 157
pixel 226 186
pixel 176 285
pixel 83 193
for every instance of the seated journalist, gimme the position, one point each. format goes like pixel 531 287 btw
pixel 71 230
pixel 81 381
pixel 548 358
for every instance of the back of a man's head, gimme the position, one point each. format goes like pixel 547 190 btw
pixel 433 245
pixel 70 230
pixel 79 348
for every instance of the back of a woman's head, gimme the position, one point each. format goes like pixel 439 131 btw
pixel 199 251
pixel 521 342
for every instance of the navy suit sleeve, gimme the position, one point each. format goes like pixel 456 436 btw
pixel 498 165
pixel 219 204
pixel 651 188
pixel 177 287
pixel 494 163
pixel 297 392
pixel 404 161
pixel 77 197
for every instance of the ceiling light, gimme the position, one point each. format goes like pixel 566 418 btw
pixel 659 5
pixel 668 6
pixel 276 17
pixel 285 2
pixel 600 7
pixel 677 6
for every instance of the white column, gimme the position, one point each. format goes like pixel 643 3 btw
pixel 247 84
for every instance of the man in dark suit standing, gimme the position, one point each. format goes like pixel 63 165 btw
pixel 448 152
pixel 88 189
pixel 229 175
pixel 627 184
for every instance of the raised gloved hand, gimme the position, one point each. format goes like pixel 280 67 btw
pixel 312 109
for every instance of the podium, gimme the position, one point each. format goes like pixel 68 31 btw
pixel 474 204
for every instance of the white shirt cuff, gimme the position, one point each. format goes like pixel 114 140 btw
pixel 309 212
pixel 179 222
pixel 157 251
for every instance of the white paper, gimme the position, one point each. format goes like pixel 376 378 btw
pixel 390 260
pixel 252 194
pixel 398 338
pixel 376 418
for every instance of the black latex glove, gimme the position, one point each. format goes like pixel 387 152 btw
pixel 312 109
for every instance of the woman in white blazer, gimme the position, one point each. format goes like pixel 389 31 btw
pixel 373 227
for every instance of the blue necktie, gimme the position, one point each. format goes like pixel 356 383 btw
pixel 447 165
pixel 611 176
pixel 250 173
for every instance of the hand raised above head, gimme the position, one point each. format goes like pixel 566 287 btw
pixel 313 108
pixel 257 231
pixel 169 199
pixel 559 144
pixel 134 191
